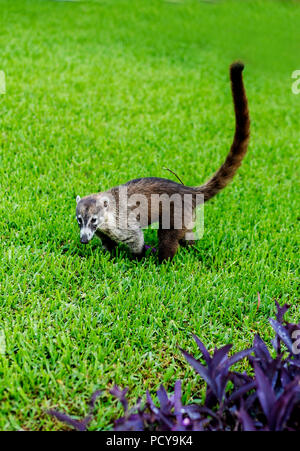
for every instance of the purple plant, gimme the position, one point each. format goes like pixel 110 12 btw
pixel 269 400
pixel 79 425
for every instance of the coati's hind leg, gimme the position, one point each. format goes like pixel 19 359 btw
pixel 168 242
pixel 188 239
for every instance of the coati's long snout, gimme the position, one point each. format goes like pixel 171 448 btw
pixel 241 137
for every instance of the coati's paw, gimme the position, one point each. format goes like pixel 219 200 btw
pixel 139 256
pixel 187 243
pixel 109 250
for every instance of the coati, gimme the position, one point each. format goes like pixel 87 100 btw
pixel 113 217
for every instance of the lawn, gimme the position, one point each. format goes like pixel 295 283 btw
pixel 98 93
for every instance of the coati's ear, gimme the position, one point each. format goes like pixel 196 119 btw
pixel 105 201
pixel 78 199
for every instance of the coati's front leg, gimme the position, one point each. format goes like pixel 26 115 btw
pixel 136 244
pixel 107 243
pixel 168 242
pixel 133 238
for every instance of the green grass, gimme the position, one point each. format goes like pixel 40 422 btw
pixel 102 92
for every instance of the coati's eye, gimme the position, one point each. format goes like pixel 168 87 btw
pixel 94 221
pixel 79 220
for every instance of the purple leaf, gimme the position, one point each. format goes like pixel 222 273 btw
pixel 200 370
pixel 203 349
pixel 79 425
pixel 220 356
pixel 282 333
pixel 285 404
pixel 151 403
pixel 163 398
pixel 281 311
pixel 120 395
pixel 177 401
pixel 153 249
pixel 236 395
pixel 246 420
pixel 265 392
pixel 238 356
pixel 260 350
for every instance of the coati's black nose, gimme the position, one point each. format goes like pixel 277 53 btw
pixel 84 239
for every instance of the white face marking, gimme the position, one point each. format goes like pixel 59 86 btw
pixel 86 232
pixel 93 221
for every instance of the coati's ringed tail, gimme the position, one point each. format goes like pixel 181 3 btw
pixel 241 137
